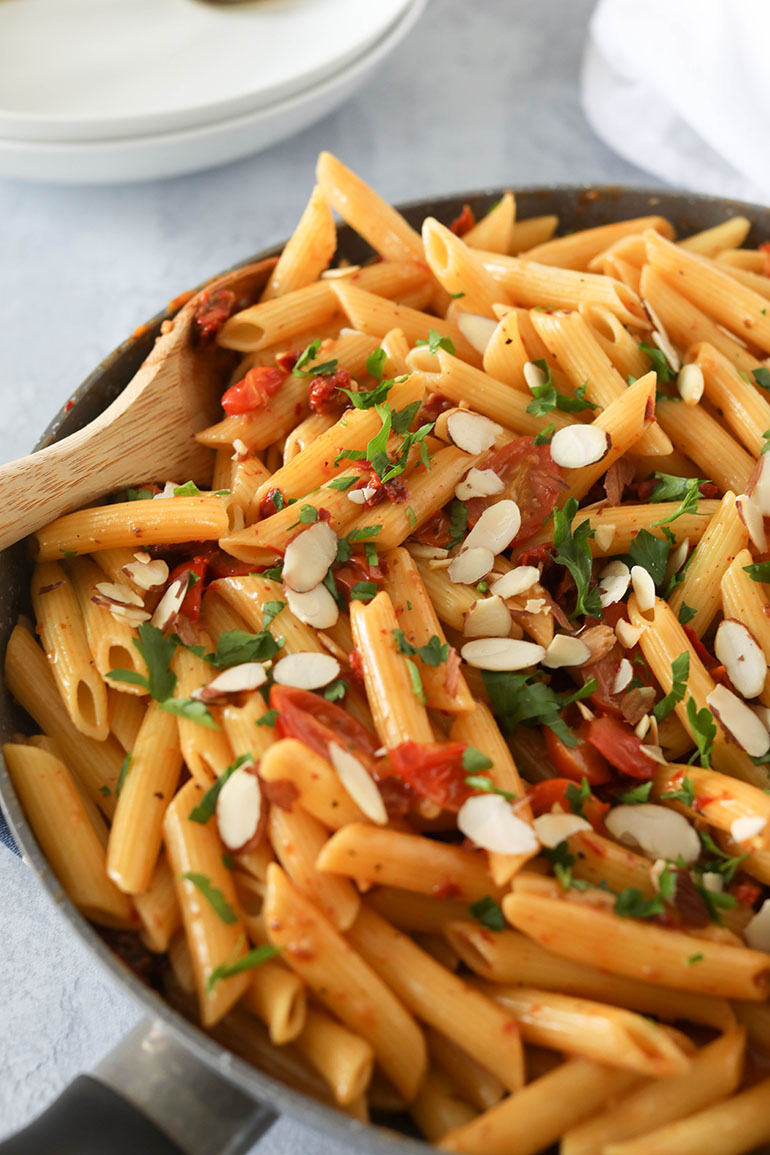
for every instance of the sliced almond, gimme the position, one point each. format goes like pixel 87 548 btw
pixel 478 483
pixel 471 566
pixel 746 828
pixel 623 677
pixel 575 446
pixel 489 822
pixel 752 517
pixel 308 557
pixel 496 528
pixel 501 654
pixel 627 635
pixel 167 491
pixel 534 375
pixel 657 831
pixel 690 383
pixel 551 829
pixel 763 713
pixel 536 606
pixel 488 618
pixel 604 537
pixel 306 670
pixel 599 639
pixel 739 720
pixel 636 703
pixel 759 485
pixel 315 608
pixel 740 654
pixel 340 271
pixel 143 557
pixel 564 650
pixel 642 726
pixel 470 431
pixel 757 931
pixel 712 880
pixel 240 450
pixel 476 329
pixel 362 495
pixel 516 581
pixel 417 549
pixel 644 588
pixel 130 614
pixel 171 602
pixel 236 680
pixel 677 558
pixel 118 594
pixel 585 712
pixel 150 575
pixel 661 338
pixel 241 812
pixel 359 784
pixel 614 581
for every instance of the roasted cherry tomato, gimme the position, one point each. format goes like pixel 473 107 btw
pixel 543 796
pixel 433 769
pixel 253 391
pixel 196 566
pixel 620 746
pixel 531 478
pixel 316 722
pixel 577 762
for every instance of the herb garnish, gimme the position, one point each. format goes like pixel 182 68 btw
pixel 488 913
pixel 309 353
pixel 518 699
pixel 574 553
pixel 433 653
pixel 546 397
pixel 157 652
pixel 208 803
pixel 680 672
pixel 212 895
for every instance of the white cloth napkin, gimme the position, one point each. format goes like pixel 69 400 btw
pixel 682 88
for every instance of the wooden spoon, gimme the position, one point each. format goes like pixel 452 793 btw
pixel 147 433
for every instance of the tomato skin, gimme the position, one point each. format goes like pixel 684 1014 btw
pixel 531 478
pixel 191 606
pixel 433 769
pixel 747 893
pixel 316 722
pixel 577 762
pixel 356 570
pixel 436 530
pixel 543 796
pixel 620 746
pixel 464 222
pixel 253 391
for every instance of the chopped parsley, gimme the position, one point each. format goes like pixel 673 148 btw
pixel 686 614
pixel 458 521
pixel 213 896
pixel 758 571
pixel 762 377
pixel 574 553
pixel 189 489
pixel 341 483
pixel 562 861
pixel 411 517
pixel 364 532
pixel 688 504
pixel 308 514
pixel 721 862
pixel 488 913
pixel 375 363
pixel 545 436
pixel 416 680
pixel 139 495
pixel 631 903
pixel 518 699
pixel 270 611
pixel 254 958
pixel 474 761
pixel 695 958
pixel 703 729
pixel 307 356
pixel 208 803
pixel 435 342
pixel 546 397
pixel 671 488
pixel 364 592
pixel 638 795
pixel 191 710
pixel 433 653
pixel 651 553
pixel 684 792
pixel 336 690
pixel 124 768
pixel 156 651
pixel 577 796
pixel 269 718
pixel 663 370
pixel 680 672
pixel 485 785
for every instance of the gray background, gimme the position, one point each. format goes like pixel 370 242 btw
pixel 481 94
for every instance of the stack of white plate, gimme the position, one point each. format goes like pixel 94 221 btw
pixel 121 90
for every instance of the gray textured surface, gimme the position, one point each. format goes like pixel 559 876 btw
pixel 482 94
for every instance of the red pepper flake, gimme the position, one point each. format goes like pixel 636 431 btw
pixel 69 406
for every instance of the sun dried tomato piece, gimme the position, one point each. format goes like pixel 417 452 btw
pixel 211 314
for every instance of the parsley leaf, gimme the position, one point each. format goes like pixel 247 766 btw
pixel 308 355
pixel 686 614
pixel 574 553
pixel 208 803
pixel 433 653
pixel 336 690
pixel 685 793
pixel 651 553
pixel 758 571
pixel 212 895
pixel 367 398
pixel 139 495
pixel 546 397
pixel 680 672
pixel 518 699
pixel 704 730
pixel 308 514
pixel 364 592
pixel 577 796
pixel 238 646
pixel 458 521
pixel 695 958
pixel 416 680
pixel 271 610
pixel 488 913
pixel 273 572
pixel 762 377
pixel 766 446
pixel 474 760
pixel 411 517
pixel 157 652
pixel 189 489
pixel 436 341
pixel 364 532
pixel 638 795
pixel 663 370
pixel 545 436
pixel 341 483
pixel 688 504
pixel 672 488
pixel 190 709
pixel 562 861
pixel 375 363
pixel 722 863
pixel 124 768
pixel 485 785
pixel 246 962
pixel 269 718
pixel 716 901
pixel 631 903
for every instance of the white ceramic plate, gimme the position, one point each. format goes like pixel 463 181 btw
pixel 169 154
pixel 109 69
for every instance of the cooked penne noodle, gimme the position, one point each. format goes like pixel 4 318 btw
pixel 365 211
pixel 531 232
pixel 342 1058
pixel 719 798
pixel 307 253
pixel 390 858
pixel 693 430
pixel 297 839
pixel 576 250
pixel 729 234
pixel 437 1107
pixel 61 825
pixel 277 996
pixel 460 381
pixel 745 600
pixel 459 270
pixel 63 634
pixel 479 1086
pixel 745 410
pixel 725 536
pixel 110 638
pixel 494 231
pixel 505 355
pixel 621 523
pixel 411 911
pixel 158 908
pixel 311 780
pixel 436 996
pixel 616 341
pixel 206 751
pixel 342 980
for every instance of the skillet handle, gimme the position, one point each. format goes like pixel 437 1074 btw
pixel 153 1095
